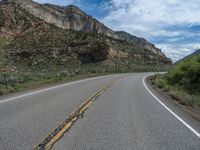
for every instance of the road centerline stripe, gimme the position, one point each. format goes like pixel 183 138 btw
pixel 48 142
pixel 169 110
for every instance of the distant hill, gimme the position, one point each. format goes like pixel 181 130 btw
pixel 197 52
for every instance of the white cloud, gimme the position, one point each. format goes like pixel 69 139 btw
pixel 156 11
pixel 176 52
pixel 148 18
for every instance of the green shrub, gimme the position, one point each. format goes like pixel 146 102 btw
pixel 160 83
pixel 196 100
pixel 186 74
pixel 182 82
pixel 2 44
pixel 182 97
pixel 1 92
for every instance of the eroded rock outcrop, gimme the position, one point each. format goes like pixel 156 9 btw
pixel 39 36
pixel 87 52
pixel 70 17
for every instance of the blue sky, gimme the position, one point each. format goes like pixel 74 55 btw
pixel 172 25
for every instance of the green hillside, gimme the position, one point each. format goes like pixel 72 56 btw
pixel 186 74
pixel 183 81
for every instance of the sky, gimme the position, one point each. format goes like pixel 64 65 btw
pixel 172 25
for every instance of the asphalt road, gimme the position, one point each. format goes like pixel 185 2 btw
pixel 125 117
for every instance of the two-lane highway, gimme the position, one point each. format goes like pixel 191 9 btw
pixel 126 116
pixel 26 120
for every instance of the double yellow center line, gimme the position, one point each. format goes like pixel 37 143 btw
pixel 48 142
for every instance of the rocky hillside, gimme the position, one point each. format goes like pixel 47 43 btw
pixel 128 37
pixel 49 35
pixel 139 41
pixel 70 17
pixel 15 21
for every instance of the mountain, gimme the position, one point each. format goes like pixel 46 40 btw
pixel 48 36
pixel 197 52
pixel 128 37
pixel 138 41
pixel 70 17
pixel 15 21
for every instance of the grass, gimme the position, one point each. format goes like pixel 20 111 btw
pixel 177 92
pixel 182 82
pixel 31 81
pixel 30 78
pixel 2 44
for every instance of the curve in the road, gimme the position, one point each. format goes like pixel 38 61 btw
pixel 167 108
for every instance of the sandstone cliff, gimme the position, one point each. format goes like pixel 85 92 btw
pixel 54 35
pixel 70 17
pixel 139 41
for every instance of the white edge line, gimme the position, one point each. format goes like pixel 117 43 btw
pixel 51 88
pixel 175 115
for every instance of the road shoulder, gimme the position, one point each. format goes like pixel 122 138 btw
pixel 184 111
pixel 194 114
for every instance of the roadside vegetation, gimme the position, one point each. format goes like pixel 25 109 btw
pixel 2 44
pixel 28 62
pixel 182 82
pixel 29 78
pixel 39 53
pixel 35 80
pixel 25 73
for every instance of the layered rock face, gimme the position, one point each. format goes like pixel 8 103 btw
pixel 139 41
pixel 91 51
pixel 86 51
pixel 38 34
pixel 16 21
pixel 70 17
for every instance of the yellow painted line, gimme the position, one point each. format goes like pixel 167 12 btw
pixel 81 109
pixel 57 137
pixel 84 108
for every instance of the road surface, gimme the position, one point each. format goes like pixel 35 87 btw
pixel 128 115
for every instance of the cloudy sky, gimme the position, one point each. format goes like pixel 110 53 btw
pixel 172 25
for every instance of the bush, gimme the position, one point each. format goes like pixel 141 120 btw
pixel 1 92
pixel 186 74
pixel 182 97
pixel 196 99
pixel 160 83
pixel 182 82
pixel 2 44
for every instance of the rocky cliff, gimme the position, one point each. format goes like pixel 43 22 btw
pixel 15 21
pixel 139 41
pixel 54 35
pixel 70 17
